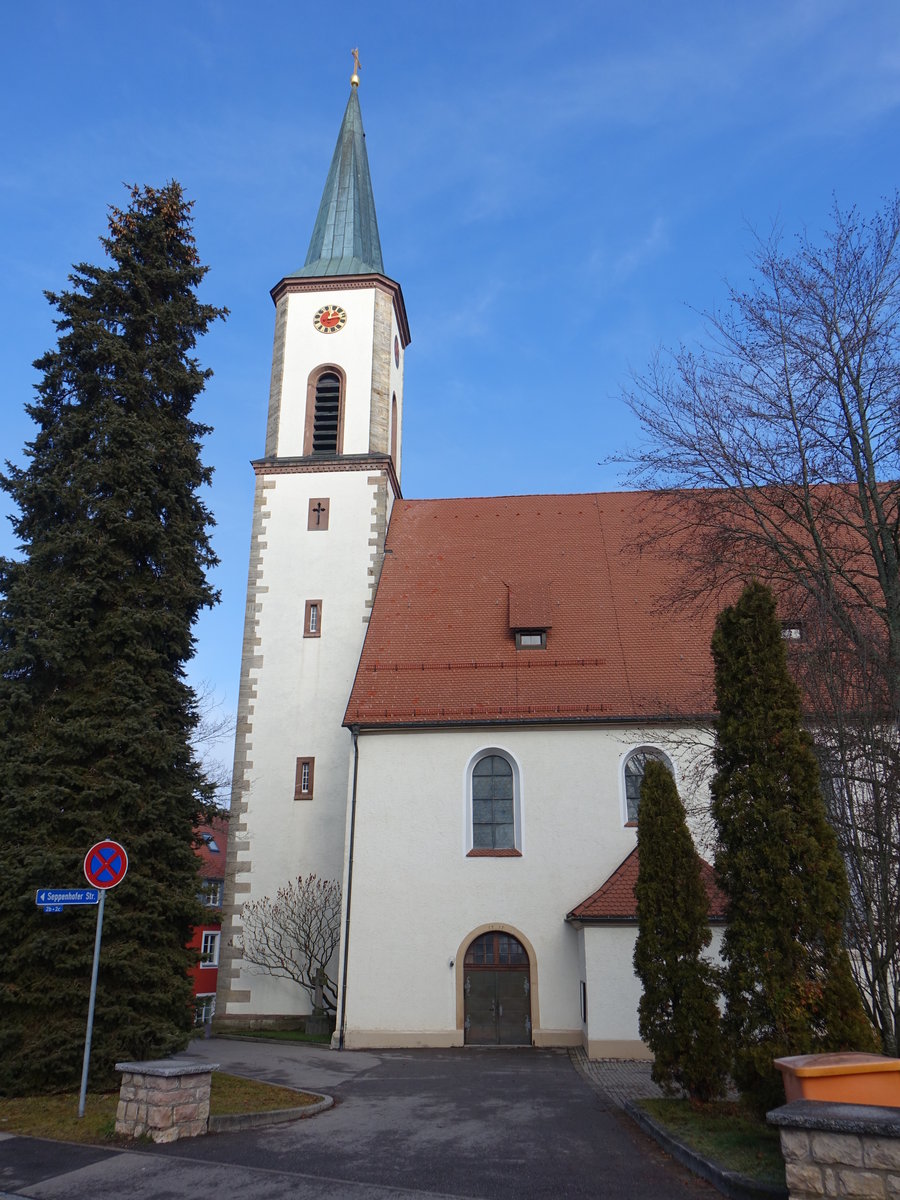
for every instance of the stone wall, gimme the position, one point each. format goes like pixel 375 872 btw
pixel 839 1150
pixel 164 1100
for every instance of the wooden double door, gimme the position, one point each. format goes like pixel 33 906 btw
pixel 497 989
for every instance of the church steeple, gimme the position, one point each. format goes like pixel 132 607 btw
pixel 325 489
pixel 345 237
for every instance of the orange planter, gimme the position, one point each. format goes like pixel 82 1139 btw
pixel 842 1078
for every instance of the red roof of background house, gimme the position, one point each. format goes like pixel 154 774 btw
pixel 213 833
pixel 615 899
pixel 440 646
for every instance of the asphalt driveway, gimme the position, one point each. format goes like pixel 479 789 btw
pixel 495 1124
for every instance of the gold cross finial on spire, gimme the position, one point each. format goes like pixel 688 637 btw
pixel 354 78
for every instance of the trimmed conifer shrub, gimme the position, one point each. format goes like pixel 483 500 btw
pixel 678 1012
pixel 95 628
pixel 787 980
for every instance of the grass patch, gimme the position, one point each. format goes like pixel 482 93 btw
pixel 232 1094
pixel 725 1134
pixel 57 1116
pixel 281 1035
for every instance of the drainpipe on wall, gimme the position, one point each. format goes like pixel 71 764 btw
pixel 354 733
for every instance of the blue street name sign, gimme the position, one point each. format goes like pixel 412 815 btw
pixel 53 899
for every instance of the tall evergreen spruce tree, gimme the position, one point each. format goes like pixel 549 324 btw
pixel 95 628
pixel 678 1012
pixel 787 980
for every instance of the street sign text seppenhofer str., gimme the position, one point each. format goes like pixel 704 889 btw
pixel 55 898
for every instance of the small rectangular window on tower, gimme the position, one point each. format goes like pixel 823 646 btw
pixel 303 780
pixel 312 619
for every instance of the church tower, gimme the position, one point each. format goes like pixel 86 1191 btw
pixel 324 492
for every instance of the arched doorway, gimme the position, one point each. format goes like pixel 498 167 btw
pixel 497 990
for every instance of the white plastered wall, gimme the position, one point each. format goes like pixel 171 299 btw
pixel 418 899
pixel 301 693
pixel 294 689
pixel 613 993
pixel 305 349
pixel 397 386
pixel 614 990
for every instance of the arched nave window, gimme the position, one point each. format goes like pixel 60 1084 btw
pixel 324 430
pixel 633 774
pixel 494 809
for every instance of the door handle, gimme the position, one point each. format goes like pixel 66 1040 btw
pixel 501 1010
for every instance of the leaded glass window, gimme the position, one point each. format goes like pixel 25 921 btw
pixel 496 949
pixel 493 804
pixel 634 776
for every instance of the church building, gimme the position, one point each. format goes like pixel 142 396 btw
pixel 444 704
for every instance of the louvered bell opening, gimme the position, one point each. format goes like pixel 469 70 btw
pixel 328 413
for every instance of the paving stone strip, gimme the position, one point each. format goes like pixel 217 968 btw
pixel 619 1080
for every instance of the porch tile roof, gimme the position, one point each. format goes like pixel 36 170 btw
pixel 614 900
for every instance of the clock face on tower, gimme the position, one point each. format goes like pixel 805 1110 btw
pixel 330 319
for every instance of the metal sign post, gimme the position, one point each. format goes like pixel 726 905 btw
pixel 105 865
pixel 90 1020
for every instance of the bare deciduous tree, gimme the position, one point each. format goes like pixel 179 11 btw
pixel 211 737
pixel 294 935
pixel 775 447
pixel 859 756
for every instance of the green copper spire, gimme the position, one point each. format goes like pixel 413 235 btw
pixel 345 237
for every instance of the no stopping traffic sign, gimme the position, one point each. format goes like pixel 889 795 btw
pixel 105 864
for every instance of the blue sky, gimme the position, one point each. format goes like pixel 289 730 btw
pixel 561 190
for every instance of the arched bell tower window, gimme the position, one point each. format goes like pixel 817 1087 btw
pixel 324 431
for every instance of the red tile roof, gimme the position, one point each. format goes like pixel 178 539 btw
pixel 530 605
pixel 213 861
pixel 615 900
pixel 439 647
